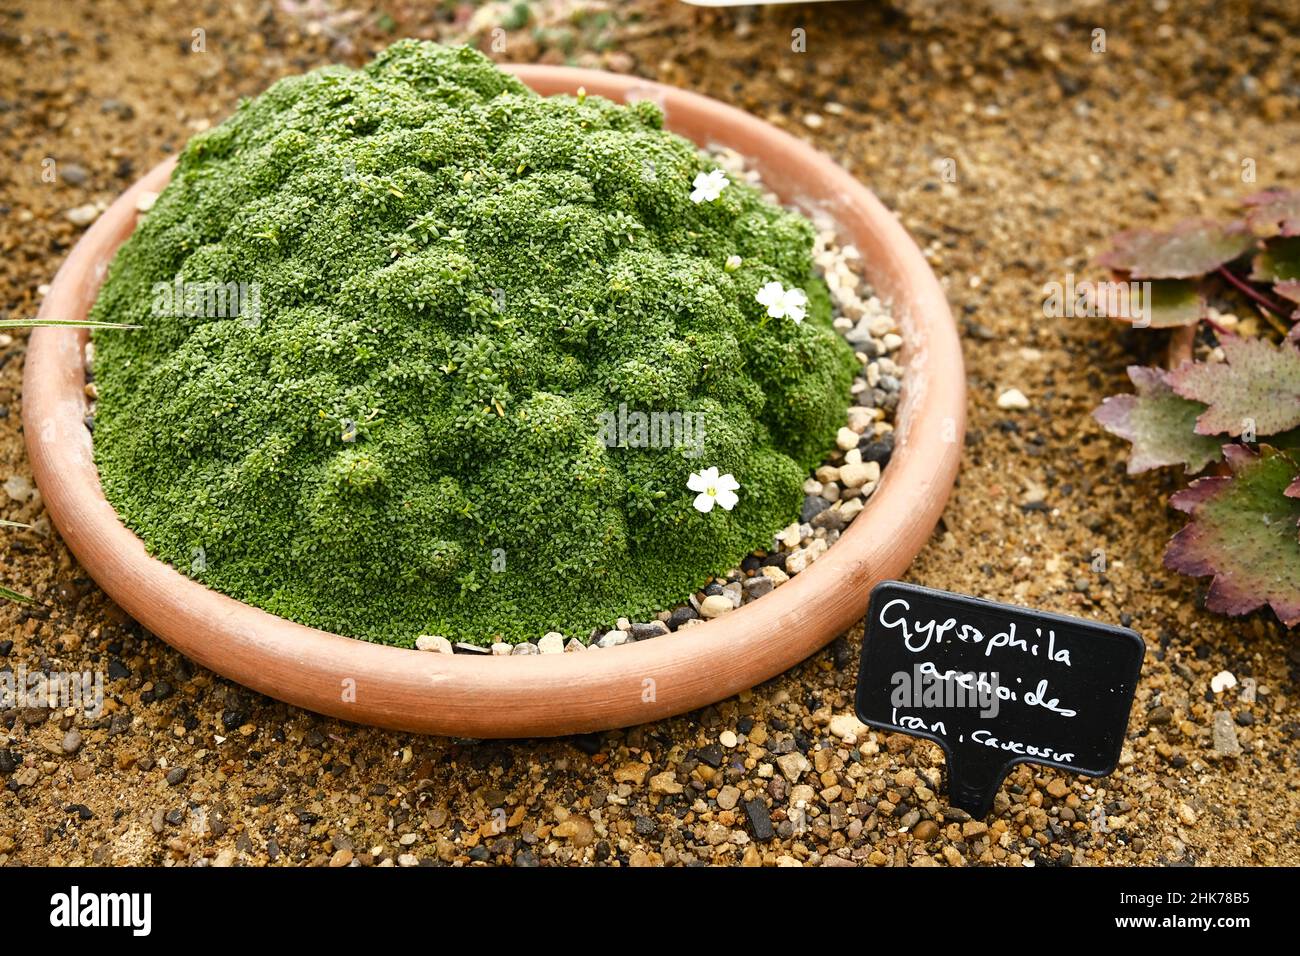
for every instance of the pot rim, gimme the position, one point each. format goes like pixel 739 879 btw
pixel 534 695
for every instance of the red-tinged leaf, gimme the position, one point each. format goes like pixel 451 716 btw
pixel 1274 212
pixel 1160 424
pixel 1190 249
pixel 1258 385
pixel 1278 261
pixel 1243 532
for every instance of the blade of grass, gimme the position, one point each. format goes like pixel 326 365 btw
pixel 11 595
pixel 6 523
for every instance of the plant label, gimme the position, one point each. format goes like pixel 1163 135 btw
pixel 996 685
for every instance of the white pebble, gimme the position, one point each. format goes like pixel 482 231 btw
pixel 1013 398
pixel 1222 681
pixel 433 642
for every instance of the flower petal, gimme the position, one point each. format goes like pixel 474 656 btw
pixel 704 502
pixel 727 499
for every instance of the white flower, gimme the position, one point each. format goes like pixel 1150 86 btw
pixel 782 302
pixel 713 488
pixel 709 186
pixel 733 263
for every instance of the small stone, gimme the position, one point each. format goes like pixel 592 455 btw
pixel 847 438
pixel 433 642
pixel 574 645
pixel 715 605
pixel 19 488
pixel 680 616
pixel 953 856
pixel 1013 398
pixel 1224 680
pixel 793 765
pixel 797 561
pixel 144 202
pixel 465 647
pixel 1186 814
pixel 760 820
pixel 341 858
pixel 855 476
pixel 615 638
pixel 644 632
pixel 524 649
pixel 665 784
pixel 408 859
pixel 813 505
pixel 82 215
pixel 851 509
pixel 501 649
pixel 847 727
pixel 72 741
pixel 758 585
pixel 925 830
pixel 633 773
pixel 1058 788
pixel 1225 735
pixel 728 797
pixel 175 775
pixel 775 575
pixel 551 643
pixel 728 739
pixel 74 174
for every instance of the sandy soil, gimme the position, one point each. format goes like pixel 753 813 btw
pixel 1054 145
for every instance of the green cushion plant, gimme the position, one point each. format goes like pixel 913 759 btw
pixel 447 285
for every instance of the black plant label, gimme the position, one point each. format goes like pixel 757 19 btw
pixel 996 685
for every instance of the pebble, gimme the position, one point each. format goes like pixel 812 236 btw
pixel 551 643
pixel 847 438
pixel 793 765
pixel 465 647
pixel 82 215
pixel 74 174
pixel 645 631
pixel 847 727
pixel 1224 680
pixel 728 797
pixel 615 638
pixel 759 819
pixel 176 775
pixel 433 642
pixel 72 741
pixel 855 476
pixel 728 739
pixel 813 505
pixel 925 830
pixel 524 649
pixel 1224 735
pixel 665 784
pixel 501 649
pixel 1013 398
pixel 715 605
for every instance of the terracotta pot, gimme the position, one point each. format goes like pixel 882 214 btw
pixel 541 695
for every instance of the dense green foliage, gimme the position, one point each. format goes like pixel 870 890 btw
pixel 473 275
